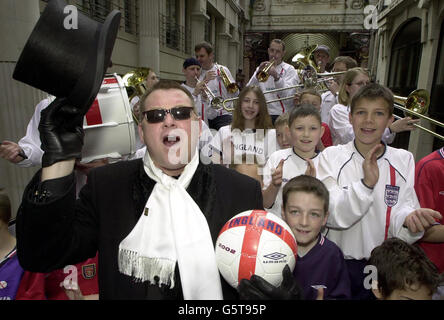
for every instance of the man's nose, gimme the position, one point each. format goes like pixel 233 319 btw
pixel 168 121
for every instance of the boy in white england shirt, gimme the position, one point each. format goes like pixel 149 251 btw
pixel 371 187
pixel 305 132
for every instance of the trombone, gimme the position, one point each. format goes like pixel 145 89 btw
pixel 310 78
pixel 417 104
pixel 216 101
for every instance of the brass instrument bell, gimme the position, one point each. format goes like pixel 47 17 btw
pixel 417 101
pixel 231 86
pixel 263 75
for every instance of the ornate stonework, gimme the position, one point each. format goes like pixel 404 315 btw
pixel 314 21
pixel 305 15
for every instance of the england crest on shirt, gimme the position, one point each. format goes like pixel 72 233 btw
pixel 391 195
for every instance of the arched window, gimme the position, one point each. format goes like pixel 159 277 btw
pixel 405 58
pixel 404 67
pixel 436 109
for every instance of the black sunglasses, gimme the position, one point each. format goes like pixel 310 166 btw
pixel 158 115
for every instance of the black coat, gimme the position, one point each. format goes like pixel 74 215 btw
pixel 61 231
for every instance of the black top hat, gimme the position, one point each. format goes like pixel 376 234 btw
pixel 69 63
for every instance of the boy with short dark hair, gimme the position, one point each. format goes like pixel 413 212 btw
pixel 371 187
pixel 305 132
pixel 311 96
pixel 404 272
pixel 320 262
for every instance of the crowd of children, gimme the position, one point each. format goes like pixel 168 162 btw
pixel 362 197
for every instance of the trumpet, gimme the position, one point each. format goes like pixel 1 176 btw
pixel 216 102
pixel 231 86
pixel 263 75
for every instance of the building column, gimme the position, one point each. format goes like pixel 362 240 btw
pixel 233 56
pixel 198 20
pixel 421 142
pixel 223 38
pixel 149 34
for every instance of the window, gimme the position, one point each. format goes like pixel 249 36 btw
pixel 208 28
pixel 437 95
pixel 405 58
pixel 99 10
pixel 171 25
pixel 172 34
pixel 404 68
pixel 130 16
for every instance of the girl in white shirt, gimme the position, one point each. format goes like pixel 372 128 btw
pixel 251 131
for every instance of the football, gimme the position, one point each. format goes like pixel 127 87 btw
pixel 255 242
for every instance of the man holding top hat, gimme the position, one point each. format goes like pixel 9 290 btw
pixel 154 220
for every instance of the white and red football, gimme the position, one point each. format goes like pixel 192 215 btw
pixel 255 242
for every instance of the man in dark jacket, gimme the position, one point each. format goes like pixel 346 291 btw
pixel 148 218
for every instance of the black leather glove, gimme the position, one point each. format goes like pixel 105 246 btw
pixel 259 289
pixel 61 132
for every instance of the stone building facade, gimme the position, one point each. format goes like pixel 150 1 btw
pixel 406 53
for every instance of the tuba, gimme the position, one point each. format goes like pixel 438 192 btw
pixel 304 58
pixel 231 86
pixel 304 64
pixel 134 82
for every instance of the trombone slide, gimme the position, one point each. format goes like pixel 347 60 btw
pixel 437 135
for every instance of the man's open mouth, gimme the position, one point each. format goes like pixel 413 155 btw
pixel 170 140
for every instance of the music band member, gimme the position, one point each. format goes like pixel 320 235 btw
pixel 322 57
pixel 212 74
pixel 280 75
